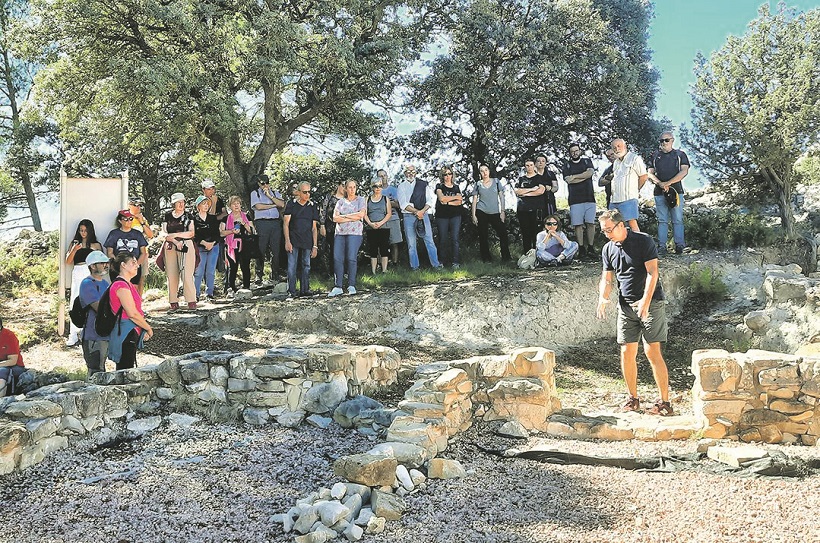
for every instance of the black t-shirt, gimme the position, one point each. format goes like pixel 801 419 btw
pixel 549 180
pixel 300 227
pixel 667 166
pixel 628 261
pixel 530 203
pixel 579 193
pixel 177 225
pixel 447 211
pixel 206 230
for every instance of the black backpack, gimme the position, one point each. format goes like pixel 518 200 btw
pixel 78 314
pixel 106 318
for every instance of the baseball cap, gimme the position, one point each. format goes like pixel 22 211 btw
pixel 125 214
pixel 671 196
pixel 177 197
pixel 96 257
pixel 201 198
pixel 208 184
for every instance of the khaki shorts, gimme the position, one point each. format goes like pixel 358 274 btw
pixel 654 328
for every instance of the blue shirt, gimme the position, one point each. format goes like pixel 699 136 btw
pixel 91 291
pixel 259 197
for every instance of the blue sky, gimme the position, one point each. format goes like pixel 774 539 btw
pixel 681 29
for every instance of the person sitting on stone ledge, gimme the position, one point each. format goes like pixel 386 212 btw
pixel 11 359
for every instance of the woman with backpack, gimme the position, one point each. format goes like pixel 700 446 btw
pixel 488 210
pixel 130 327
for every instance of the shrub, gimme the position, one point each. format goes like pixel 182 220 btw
pixel 723 229
pixel 703 282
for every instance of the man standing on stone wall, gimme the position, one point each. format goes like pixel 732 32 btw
pixel 266 204
pixel 667 168
pixel 577 172
pixel 631 258
pixel 629 177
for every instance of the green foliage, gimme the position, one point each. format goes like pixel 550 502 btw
pixel 756 109
pixel 18 272
pixel 521 77
pixel 323 174
pixel 702 281
pixel 807 168
pixel 240 79
pixel 724 229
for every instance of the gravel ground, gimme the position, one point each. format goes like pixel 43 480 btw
pixel 222 483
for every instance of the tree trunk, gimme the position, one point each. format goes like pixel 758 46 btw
pixel 31 200
pixel 781 185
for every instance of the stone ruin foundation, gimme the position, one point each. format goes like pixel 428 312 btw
pixel 753 396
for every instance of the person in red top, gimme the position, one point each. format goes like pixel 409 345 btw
pixel 11 360
pixel 132 328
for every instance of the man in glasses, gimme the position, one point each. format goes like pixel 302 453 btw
pixel 301 229
pixel 631 258
pixel 266 204
pixel 668 167
pixel 577 173
pixel 629 177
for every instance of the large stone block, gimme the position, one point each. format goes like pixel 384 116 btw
pixel 36 452
pixel 33 409
pixel 219 376
pixel 790 407
pixel 266 399
pixel 366 469
pixel 192 371
pixel 781 376
pixel 168 371
pixel 325 397
pixel 349 413
pixel 12 436
pixel 450 379
pixel 386 505
pixel 443 468
pixel 142 373
pixel 715 370
pixel 275 371
pixel 532 362
pixel 407 454
pixel 782 288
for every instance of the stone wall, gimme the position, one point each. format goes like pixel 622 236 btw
pixel 286 384
pixel 757 395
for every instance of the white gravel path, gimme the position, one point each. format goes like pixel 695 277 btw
pixel 222 484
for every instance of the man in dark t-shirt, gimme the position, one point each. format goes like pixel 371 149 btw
pixel 577 172
pixel 301 231
pixel 531 204
pixel 632 259
pixel 550 182
pixel 666 169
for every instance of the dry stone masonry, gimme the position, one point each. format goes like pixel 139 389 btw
pixel 757 395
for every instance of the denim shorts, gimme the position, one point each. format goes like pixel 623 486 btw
pixel 629 209
pixel 654 328
pixel 582 213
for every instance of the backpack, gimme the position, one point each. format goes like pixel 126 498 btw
pixel 106 318
pixel 527 261
pixel 78 314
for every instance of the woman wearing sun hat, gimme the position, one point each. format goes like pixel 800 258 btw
pixel 180 256
pixel 206 238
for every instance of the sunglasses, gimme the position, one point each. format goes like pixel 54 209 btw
pixel 448 173
pixel 551 223
pixel 264 182
pixel 666 140
pixel 127 219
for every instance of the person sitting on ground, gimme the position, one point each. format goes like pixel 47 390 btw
pixel 379 213
pixel 301 233
pixel 235 226
pixel 448 217
pixel 206 238
pixel 95 347
pixel 132 328
pixel 125 238
pixel 180 253
pixel 11 359
pixel 348 216
pixel 552 247
pixel 84 241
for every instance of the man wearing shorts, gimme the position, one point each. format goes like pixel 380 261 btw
pixel 577 173
pixel 632 259
pixel 629 175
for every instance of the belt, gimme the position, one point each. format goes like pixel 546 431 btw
pixel 270 219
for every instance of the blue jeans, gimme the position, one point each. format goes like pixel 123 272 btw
pixel 410 221
pixel 294 257
pixel 448 230
pixel 664 212
pixel 207 267
pixel 346 252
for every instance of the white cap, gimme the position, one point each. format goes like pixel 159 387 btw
pixel 177 197
pixel 96 257
pixel 208 184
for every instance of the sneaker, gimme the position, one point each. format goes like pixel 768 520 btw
pixel 661 408
pixel 209 299
pixel 174 306
pixel 337 291
pixel 551 264
pixel 351 290
pixel 191 305
pixel 456 265
pixel 632 404
pixel 678 249
pixel 230 295
pixel 662 251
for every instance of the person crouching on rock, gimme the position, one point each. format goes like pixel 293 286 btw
pixel 552 247
pixel 132 329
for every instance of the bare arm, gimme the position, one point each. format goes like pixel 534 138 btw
pixel 11 360
pixel 649 288
pixel 604 290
